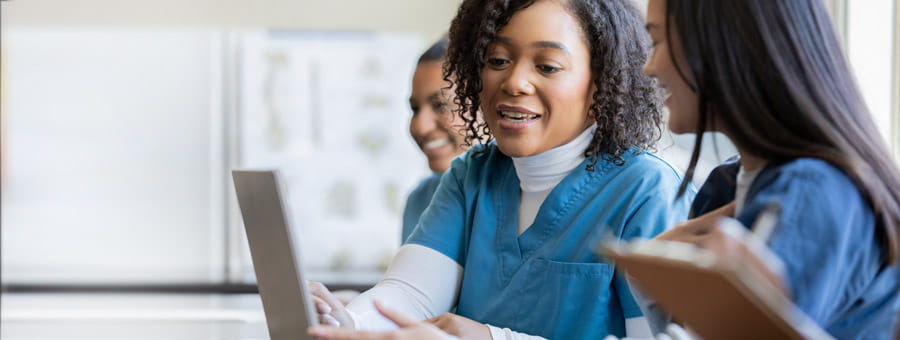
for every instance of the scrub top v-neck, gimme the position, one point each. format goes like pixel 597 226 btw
pixel 548 281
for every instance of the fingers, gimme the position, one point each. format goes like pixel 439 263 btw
pixel 684 231
pixel 324 311
pixel 395 316
pixel 727 241
pixel 438 321
pixel 698 226
pixel 328 320
pixel 319 290
pixel 328 333
pixel 327 304
pixel 705 223
pixel 723 211
pixel 701 225
pixel 437 318
pixel 322 307
pixel 449 323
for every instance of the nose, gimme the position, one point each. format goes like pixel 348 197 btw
pixel 423 122
pixel 518 82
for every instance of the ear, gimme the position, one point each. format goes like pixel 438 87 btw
pixel 590 102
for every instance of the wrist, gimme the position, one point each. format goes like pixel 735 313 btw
pixel 353 322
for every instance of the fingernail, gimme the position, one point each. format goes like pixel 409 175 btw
pixel 318 331
pixel 325 308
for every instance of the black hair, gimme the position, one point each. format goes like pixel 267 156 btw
pixel 626 105
pixel 773 77
pixel 437 51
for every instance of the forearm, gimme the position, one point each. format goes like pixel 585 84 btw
pixel 420 282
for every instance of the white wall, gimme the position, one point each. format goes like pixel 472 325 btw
pixel 870 49
pixel 429 17
pixel 68 68
pixel 110 155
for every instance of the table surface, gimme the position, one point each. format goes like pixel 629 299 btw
pixel 131 316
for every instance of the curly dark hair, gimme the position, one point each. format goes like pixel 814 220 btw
pixel 626 105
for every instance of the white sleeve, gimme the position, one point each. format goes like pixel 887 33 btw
pixel 635 328
pixel 508 334
pixel 638 328
pixel 421 283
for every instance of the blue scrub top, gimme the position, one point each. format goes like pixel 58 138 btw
pixel 548 281
pixel 825 237
pixel 416 203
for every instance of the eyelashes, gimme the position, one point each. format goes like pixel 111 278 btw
pixel 501 63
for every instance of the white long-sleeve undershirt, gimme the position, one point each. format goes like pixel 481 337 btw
pixel 421 283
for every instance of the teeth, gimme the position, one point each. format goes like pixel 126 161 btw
pixel 435 143
pixel 517 115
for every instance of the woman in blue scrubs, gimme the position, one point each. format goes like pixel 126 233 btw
pixel 433 127
pixel 508 239
pixel 771 76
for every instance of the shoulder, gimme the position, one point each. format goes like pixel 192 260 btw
pixel 808 189
pixel 809 167
pixel 727 171
pixel 647 170
pixel 809 174
pixel 427 185
pixel 718 189
pixel 429 182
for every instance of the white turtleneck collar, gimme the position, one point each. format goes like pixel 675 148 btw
pixel 544 171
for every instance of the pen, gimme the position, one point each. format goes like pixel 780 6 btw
pixel 766 221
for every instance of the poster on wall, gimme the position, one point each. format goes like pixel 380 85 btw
pixel 330 111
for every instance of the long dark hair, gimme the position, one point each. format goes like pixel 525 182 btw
pixel 626 105
pixel 771 74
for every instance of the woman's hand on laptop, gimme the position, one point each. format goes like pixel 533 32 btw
pixel 460 326
pixel 331 311
pixel 410 329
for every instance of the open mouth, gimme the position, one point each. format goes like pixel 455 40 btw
pixel 518 116
pixel 435 144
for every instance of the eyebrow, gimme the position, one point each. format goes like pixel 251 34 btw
pixel 434 97
pixel 651 25
pixel 539 44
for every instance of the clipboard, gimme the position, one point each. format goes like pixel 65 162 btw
pixel 715 300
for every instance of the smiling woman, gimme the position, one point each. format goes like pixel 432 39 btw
pixel 433 127
pixel 536 81
pixel 555 92
pixel 567 75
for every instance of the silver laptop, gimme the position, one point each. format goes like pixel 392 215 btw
pixel 285 296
